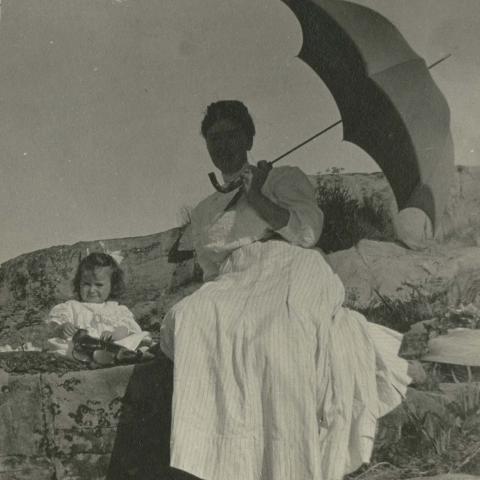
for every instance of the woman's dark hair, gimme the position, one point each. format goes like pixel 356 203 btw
pixel 98 260
pixel 231 110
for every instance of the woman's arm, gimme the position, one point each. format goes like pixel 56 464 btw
pixel 293 190
pixel 277 217
pixel 253 180
pixel 293 211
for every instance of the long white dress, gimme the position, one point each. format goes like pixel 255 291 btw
pixel 273 378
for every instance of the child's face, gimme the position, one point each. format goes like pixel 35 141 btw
pixel 95 285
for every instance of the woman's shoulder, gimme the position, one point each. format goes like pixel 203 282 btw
pixel 286 170
pixel 287 174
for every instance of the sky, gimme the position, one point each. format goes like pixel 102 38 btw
pixel 101 104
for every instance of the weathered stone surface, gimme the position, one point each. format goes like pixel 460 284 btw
pixel 374 270
pixel 27 468
pixel 415 340
pixel 449 476
pixel 22 422
pixel 459 225
pixel 83 409
pixel 68 426
pixel 82 466
pixel 417 372
pixel 24 442
pixel 32 283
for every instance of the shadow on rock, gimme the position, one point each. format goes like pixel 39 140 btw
pixel 142 445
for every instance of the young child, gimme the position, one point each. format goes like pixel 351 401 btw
pixel 97 283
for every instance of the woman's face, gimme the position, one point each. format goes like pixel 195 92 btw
pixel 227 145
pixel 96 285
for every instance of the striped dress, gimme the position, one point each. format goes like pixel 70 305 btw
pixel 273 378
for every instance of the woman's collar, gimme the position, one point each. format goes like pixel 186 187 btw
pixel 229 177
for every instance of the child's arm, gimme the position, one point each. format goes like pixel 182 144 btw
pixel 126 319
pixel 61 320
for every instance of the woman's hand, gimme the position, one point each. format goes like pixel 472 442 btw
pixel 67 330
pixel 253 179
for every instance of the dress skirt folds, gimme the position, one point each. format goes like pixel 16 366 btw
pixel 273 378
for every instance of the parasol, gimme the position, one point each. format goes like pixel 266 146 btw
pixel 389 104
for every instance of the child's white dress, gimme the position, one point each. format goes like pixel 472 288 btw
pixel 93 317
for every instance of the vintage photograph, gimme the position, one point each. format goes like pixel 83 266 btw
pixel 240 240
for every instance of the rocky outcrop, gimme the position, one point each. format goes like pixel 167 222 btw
pixel 70 426
pixel 449 476
pixel 57 423
pixel 459 225
pixel 160 269
pixel 32 283
pixel 373 271
pixel 115 423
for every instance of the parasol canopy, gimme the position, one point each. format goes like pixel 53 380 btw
pixel 389 104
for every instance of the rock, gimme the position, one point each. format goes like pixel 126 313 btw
pixel 56 425
pixel 22 424
pixel 413 228
pixel 449 476
pixel 461 220
pixel 373 271
pixel 416 372
pixel 374 274
pixel 69 426
pixel 415 340
pixel 32 283
pixel 459 225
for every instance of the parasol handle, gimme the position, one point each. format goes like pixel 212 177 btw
pixel 228 187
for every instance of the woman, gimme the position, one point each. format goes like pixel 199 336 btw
pixel 274 379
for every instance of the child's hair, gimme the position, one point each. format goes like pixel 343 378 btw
pixel 98 260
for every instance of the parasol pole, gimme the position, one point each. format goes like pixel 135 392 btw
pixel 305 141
pixel 233 185
pixel 439 61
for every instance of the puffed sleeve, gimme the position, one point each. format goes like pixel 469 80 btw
pixel 125 318
pixel 61 313
pixel 209 267
pixel 292 190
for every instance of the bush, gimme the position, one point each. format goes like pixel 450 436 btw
pixel 346 221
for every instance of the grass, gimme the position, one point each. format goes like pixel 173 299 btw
pixel 429 442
